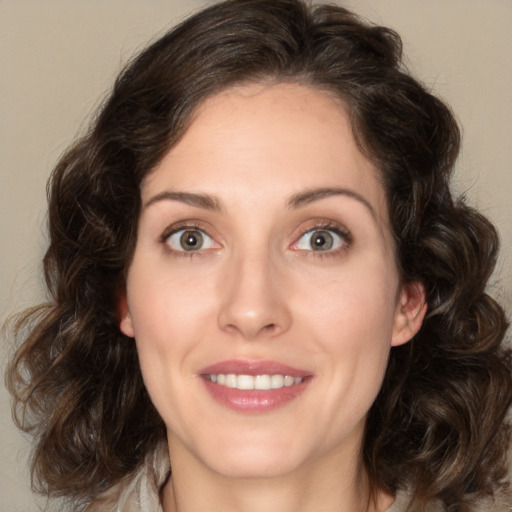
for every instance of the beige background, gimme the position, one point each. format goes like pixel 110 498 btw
pixel 58 59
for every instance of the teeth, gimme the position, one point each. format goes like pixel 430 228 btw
pixel 262 382
pixel 230 381
pixel 251 382
pixel 288 381
pixel 245 382
pixel 277 381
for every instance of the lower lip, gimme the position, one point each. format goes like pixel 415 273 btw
pixel 254 401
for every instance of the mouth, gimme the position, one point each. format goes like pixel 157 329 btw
pixel 263 382
pixel 254 386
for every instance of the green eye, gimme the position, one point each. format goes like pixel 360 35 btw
pixel 189 240
pixel 320 240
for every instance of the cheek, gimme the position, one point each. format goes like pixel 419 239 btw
pixel 170 316
pixel 352 321
pixel 356 333
pixel 164 308
pixel 355 306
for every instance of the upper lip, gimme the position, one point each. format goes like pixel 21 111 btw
pixel 248 367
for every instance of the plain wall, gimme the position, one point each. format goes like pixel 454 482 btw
pixel 59 58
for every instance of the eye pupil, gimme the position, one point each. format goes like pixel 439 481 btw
pixel 191 240
pixel 322 241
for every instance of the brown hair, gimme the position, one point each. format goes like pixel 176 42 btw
pixel 438 425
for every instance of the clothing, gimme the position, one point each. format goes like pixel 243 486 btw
pixel 140 493
pixel 145 502
pixel 400 503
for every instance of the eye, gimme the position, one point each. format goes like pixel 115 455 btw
pixel 189 240
pixel 321 240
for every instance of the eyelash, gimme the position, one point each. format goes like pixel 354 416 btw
pixel 343 233
pixel 176 228
pixel 329 226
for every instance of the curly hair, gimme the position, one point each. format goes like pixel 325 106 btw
pixel 438 425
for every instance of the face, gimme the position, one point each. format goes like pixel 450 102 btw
pixel 263 293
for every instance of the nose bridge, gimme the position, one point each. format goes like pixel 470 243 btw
pixel 253 304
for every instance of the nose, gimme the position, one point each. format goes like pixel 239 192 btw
pixel 253 303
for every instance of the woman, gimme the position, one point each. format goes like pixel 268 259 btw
pixel 258 273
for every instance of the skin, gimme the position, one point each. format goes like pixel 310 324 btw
pixel 257 290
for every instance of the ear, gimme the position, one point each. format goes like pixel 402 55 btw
pixel 125 318
pixel 410 312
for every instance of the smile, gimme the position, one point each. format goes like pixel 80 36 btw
pixel 254 386
pixel 254 382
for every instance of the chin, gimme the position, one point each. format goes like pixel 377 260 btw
pixel 260 466
pixel 244 458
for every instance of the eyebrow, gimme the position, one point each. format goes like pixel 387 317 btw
pixel 296 201
pixel 308 196
pixel 204 201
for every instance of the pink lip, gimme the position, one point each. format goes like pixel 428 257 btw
pixel 254 401
pixel 246 367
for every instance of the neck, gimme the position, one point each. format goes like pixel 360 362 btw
pixel 335 483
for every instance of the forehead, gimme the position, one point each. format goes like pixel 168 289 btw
pixel 261 141
pixel 272 115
